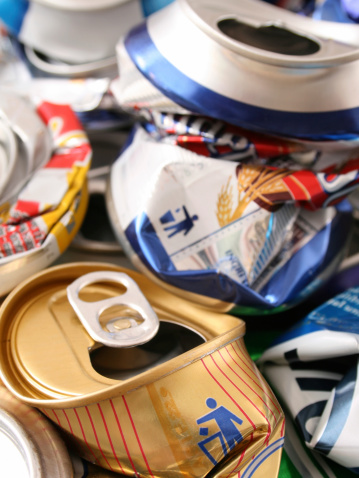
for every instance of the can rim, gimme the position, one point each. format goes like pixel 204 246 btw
pixel 21 440
pixel 42 447
pixel 81 5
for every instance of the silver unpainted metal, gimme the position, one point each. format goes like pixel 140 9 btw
pixel 114 335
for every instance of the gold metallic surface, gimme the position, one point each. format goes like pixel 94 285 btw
pixel 18 267
pixel 140 411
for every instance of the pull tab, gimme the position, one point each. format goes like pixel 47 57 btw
pixel 89 312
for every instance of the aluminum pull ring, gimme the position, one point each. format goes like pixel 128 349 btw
pixel 89 312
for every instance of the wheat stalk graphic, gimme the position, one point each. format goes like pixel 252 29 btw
pixel 253 184
pixel 225 204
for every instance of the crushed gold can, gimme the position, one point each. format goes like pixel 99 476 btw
pixel 142 383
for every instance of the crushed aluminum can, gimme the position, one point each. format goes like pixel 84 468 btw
pixel 26 143
pixel 73 38
pixel 244 67
pixel 61 30
pixel 31 445
pixel 223 229
pixel 50 207
pixel 192 386
pixel 314 367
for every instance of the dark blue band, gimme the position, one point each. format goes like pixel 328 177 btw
pixel 331 125
pixel 296 275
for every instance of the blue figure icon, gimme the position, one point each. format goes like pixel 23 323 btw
pixel 184 225
pixel 228 433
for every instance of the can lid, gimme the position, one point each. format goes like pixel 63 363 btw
pixel 48 356
pixel 273 35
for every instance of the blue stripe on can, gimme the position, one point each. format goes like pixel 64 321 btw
pixel 339 414
pixel 262 457
pixel 152 6
pixel 333 125
pixel 12 13
pixel 147 246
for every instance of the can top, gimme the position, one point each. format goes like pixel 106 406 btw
pixel 43 339
pixel 273 35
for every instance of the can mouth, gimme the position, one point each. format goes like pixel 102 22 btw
pixel 170 341
pixel 52 66
pixel 269 37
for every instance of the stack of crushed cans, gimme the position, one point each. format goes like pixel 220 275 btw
pixel 223 141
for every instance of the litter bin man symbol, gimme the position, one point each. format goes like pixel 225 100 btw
pixel 184 224
pixel 228 433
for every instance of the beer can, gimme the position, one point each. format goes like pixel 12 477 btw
pixel 206 227
pixel 248 63
pixel 140 381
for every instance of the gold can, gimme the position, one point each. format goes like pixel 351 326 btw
pixel 142 382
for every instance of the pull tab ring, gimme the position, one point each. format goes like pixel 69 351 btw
pixel 89 312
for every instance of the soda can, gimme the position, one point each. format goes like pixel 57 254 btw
pixel 140 381
pixel 234 65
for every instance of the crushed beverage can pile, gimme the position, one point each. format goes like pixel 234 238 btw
pixel 48 197
pixel 182 376
pixel 228 192
pixel 202 144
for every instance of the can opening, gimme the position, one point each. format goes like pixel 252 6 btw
pixel 269 37
pixel 170 341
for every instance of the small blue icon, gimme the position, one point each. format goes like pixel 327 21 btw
pixel 228 433
pixel 183 224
